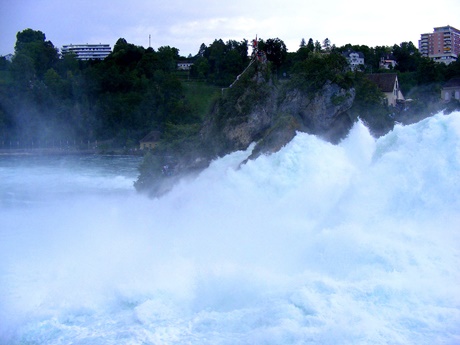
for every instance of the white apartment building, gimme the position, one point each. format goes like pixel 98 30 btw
pixel 88 51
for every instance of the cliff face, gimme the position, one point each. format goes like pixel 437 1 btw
pixel 272 121
pixel 257 111
pixel 322 112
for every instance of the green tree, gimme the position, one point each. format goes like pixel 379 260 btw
pixel 302 54
pixel 429 71
pixel 275 50
pixel 311 45
pixel 34 45
pixel 407 57
pixel 202 50
pixel 23 38
pixel 148 63
pixel 167 57
pixel 200 68
pixel 23 72
pixel 54 82
pixel 318 47
pixel 126 55
pixel 214 54
pixel 453 69
pixel 311 74
pixel 4 64
pixel 68 63
pixel 327 45
pixel 225 61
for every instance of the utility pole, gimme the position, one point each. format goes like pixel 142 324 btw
pixel 149 41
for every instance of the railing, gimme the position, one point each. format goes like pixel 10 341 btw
pixel 48 145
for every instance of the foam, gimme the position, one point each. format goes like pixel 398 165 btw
pixel 355 243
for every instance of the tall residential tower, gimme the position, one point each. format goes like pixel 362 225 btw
pixel 443 45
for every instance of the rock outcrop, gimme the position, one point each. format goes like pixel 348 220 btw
pixel 272 121
pixel 324 113
pixel 258 111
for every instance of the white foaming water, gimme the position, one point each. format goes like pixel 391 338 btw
pixel 356 243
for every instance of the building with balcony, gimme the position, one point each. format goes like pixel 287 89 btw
pixel 184 65
pixel 443 45
pixel 87 51
pixel 355 59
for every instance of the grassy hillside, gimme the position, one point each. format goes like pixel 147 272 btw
pixel 200 96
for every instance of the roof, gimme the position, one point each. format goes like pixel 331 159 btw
pixel 385 81
pixel 153 136
pixel 349 52
pixel 388 57
pixel 454 82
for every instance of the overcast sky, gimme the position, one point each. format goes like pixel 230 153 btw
pixel 186 24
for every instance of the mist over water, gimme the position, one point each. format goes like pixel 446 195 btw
pixel 356 243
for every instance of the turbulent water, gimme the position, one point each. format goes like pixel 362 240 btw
pixel 357 243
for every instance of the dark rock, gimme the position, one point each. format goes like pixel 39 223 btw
pixel 274 121
pixel 257 111
pixel 323 113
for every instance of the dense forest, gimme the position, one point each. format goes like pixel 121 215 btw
pixel 46 98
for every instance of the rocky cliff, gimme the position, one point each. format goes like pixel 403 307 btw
pixel 257 110
pixel 273 113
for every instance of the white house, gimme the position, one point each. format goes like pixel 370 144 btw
pixel 388 83
pixel 355 59
pixel 387 62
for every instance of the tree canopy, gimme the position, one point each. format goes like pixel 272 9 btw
pixel 45 96
pixel 134 90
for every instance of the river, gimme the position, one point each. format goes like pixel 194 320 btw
pixel 356 243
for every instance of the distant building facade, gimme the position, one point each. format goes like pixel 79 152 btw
pixel 443 45
pixel 355 59
pixel 387 61
pixel 451 90
pixel 184 65
pixel 388 83
pixel 88 51
pixel 150 141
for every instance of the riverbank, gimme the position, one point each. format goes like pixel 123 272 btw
pixel 70 151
